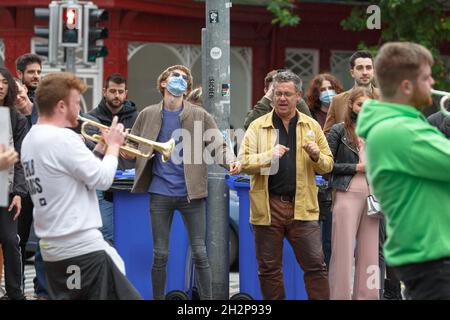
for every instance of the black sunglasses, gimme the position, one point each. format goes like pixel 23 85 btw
pixel 177 74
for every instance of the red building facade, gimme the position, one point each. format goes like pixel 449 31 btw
pixel 180 21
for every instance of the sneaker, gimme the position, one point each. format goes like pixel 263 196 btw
pixel 392 290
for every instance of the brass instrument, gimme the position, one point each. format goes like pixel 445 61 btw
pixel 445 96
pixel 165 148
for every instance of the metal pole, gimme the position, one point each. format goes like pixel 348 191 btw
pixel 70 60
pixel 205 50
pixel 216 95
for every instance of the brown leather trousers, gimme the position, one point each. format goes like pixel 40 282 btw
pixel 305 239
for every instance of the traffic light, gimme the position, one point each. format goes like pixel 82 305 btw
pixel 94 32
pixel 70 27
pixel 50 50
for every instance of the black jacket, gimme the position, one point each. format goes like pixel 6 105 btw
pixel 441 122
pixel 345 158
pixel 20 127
pixel 127 116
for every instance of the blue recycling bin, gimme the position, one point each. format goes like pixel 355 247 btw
pixel 133 241
pixel 248 266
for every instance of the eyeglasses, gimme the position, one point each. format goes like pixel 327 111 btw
pixel 279 94
pixel 177 74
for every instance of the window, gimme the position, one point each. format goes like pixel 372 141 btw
pixel 303 62
pixel 340 67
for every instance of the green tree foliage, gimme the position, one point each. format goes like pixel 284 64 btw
pixel 282 11
pixel 421 21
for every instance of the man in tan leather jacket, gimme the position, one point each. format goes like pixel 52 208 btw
pixel 361 69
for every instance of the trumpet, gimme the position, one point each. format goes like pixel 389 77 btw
pixel 165 148
pixel 445 96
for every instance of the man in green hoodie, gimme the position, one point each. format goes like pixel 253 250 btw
pixel 408 166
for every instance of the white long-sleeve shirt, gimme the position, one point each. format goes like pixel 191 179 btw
pixel 62 176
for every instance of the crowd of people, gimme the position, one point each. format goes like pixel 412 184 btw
pixel 370 141
pixel 358 166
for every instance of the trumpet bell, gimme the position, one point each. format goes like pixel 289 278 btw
pixel 445 96
pixel 165 148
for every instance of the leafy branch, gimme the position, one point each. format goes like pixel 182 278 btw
pixel 283 12
pixel 421 21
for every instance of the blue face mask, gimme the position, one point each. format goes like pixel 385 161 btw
pixel 326 96
pixel 176 86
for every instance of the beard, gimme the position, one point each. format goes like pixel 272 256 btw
pixel 421 100
pixel 114 103
pixel 30 85
pixel 73 121
pixel 363 83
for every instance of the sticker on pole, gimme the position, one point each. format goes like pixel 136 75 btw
pixel 216 53
pixel 213 16
pixel 225 90
pixel 211 88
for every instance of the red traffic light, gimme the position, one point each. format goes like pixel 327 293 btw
pixel 70 26
pixel 70 16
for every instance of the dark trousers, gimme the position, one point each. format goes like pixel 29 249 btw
pixel 11 254
pixel 91 276
pixel 24 227
pixel 305 239
pixel 326 226
pixel 326 223
pixel 390 285
pixel 194 216
pixel 426 281
pixel 381 262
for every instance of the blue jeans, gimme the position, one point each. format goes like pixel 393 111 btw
pixel 40 281
pixel 326 223
pixel 194 216
pixel 107 213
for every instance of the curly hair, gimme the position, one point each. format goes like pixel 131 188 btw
pixel 24 60
pixel 288 76
pixel 166 73
pixel 195 97
pixel 313 91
